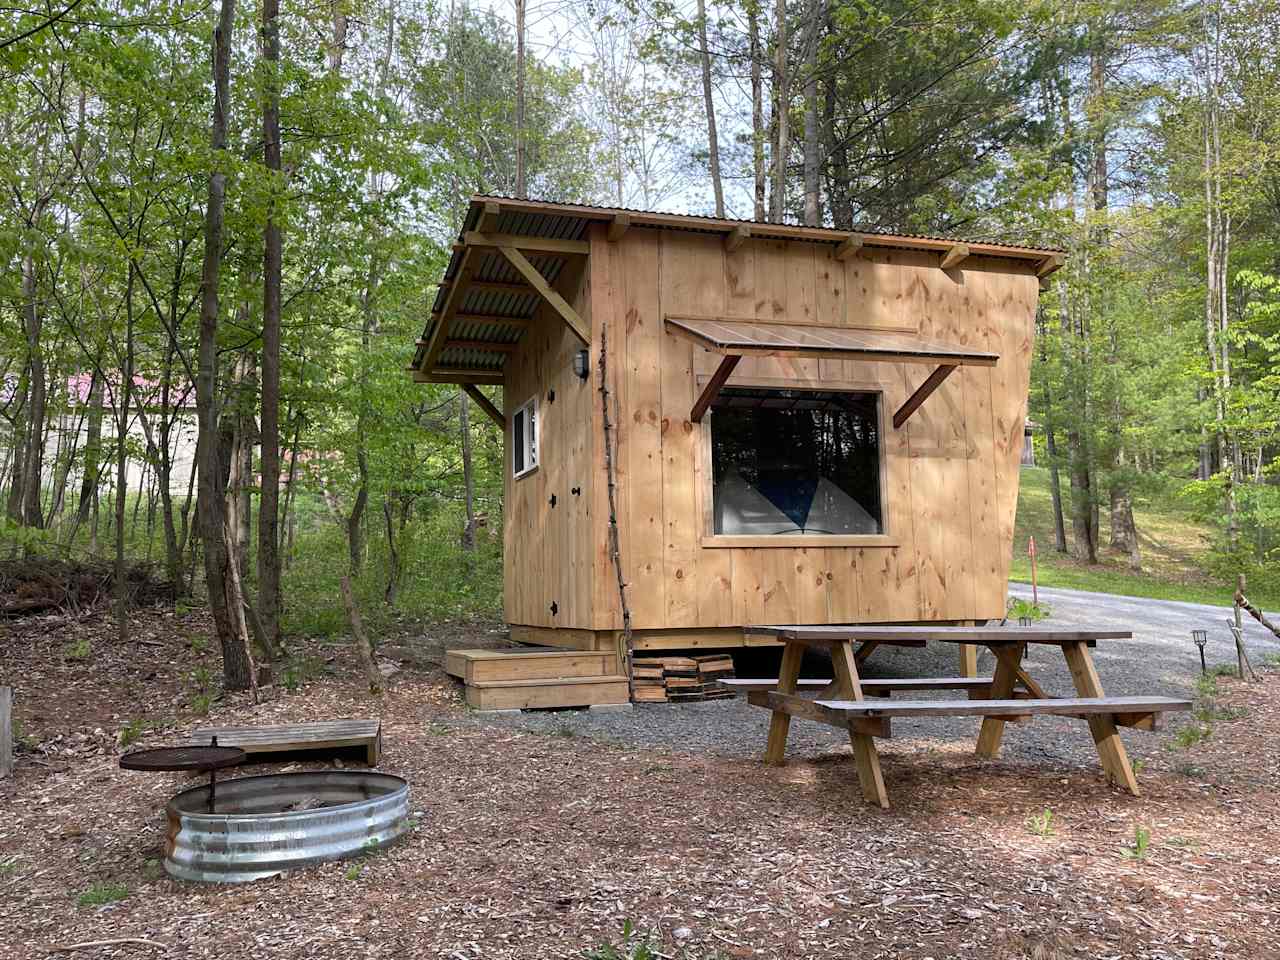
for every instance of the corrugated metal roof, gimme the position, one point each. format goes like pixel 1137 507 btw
pixel 535 225
pixel 569 222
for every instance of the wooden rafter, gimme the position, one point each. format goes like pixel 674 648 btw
pixel 849 246
pixel 955 256
pixel 458 375
pixel 931 383
pixel 489 217
pixel 618 226
pixel 568 248
pixel 712 388
pixel 545 290
pixel 452 301
pixel 736 238
pixel 1050 264
pixel 487 345
pixel 482 318
pixel 485 404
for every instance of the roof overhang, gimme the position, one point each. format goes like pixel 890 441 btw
pixel 515 256
pixel 734 339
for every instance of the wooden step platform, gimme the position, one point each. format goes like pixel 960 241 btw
pixel 541 678
pixel 524 663
pixel 324 736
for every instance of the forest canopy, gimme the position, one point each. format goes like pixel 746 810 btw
pixel 223 224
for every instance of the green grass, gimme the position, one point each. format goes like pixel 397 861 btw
pixel 1174 550
pixel 102 893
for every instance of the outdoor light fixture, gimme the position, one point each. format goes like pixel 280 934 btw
pixel 581 364
pixel 1201 637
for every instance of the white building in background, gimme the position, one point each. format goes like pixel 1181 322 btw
pixel 70 433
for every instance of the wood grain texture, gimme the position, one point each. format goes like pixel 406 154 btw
pixel 949 476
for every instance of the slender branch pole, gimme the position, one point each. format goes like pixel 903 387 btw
pixel 615 551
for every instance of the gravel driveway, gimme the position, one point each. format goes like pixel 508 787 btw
pixel 1160 660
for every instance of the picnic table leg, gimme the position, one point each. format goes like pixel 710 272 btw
pixel 780 724
pixel 865 756
pixel 968 660
pixel 1115 761
pixel 1001 689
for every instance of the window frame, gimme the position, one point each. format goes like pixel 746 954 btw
pixel 531 462
pixel 706 485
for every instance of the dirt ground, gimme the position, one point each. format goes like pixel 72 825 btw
pixel 536 844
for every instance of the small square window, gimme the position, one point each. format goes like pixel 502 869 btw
pixel 795 462
pixel 524 438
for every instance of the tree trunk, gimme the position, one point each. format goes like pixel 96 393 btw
pixel 782 101
pixel 92 450
pixel 33 458
pixel 122 467
pixel 812 198
pixel 16 498
pixel 393 552
pixel 1124 532
pixel 363 647
pixel 1217 258
pixel 708 102
pixel 839 193
pixel 757 106
pixel 338 12
pixel 272 260
pixel 236 666
pixel 468 474
pixel 521 184
pixel 1055 491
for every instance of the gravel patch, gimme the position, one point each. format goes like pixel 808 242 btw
pixel 1160 660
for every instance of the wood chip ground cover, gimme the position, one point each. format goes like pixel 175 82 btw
pixel 538 845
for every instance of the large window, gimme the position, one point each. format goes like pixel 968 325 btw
pixel 795 462
pixel 524 438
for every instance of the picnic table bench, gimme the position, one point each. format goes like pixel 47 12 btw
pixel 1011 694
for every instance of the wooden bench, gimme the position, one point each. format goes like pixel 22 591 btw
pixel 1139 712
pixel 324 736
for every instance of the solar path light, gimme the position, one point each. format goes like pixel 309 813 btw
pixel 1201 637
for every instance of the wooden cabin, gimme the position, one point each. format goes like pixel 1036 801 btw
pixel 805 426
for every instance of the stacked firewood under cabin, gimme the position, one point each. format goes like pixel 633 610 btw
pixel 681 679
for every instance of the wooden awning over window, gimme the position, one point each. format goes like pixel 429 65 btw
pixel 735 339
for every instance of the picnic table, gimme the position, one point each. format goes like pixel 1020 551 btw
pixel 865 709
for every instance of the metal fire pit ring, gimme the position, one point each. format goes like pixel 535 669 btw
pixel 264 826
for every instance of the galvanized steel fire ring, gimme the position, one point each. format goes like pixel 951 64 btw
pixel 264 826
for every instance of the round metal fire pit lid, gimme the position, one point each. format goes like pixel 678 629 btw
pixel 183 758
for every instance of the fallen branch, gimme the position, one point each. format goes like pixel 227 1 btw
pixel 1243 602
pixel 87 944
